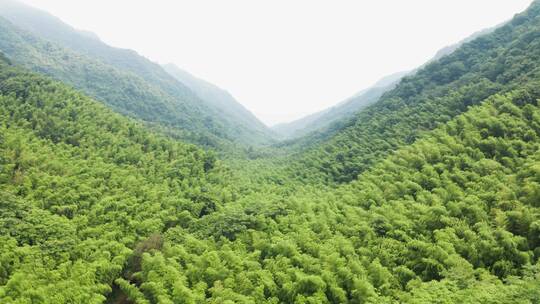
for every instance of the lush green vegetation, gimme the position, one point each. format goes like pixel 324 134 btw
pixel 431 195
pixel 450 219
pixel 499 61
pixel 224 102
pixel 126 81
pixel 320 126
pixel 94 208
pixel 80 186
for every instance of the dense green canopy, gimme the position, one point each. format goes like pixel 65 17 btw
pixel 431 195
pixel 499 61
pixel 127 82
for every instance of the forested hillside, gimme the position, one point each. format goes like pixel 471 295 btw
pixel 431 195
pixel 496 62
pixel 221 100
pixel 128 82
pixel 451 219
pixel 319 126
pixel 339 113
pixel 95 208
pixel 81 186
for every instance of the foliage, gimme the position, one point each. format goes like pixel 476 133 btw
pixel 81 186
pixel 97 208
pixel 94 202
pixel 499 61
pixel 127 82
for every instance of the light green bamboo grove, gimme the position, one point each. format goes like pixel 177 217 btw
pixel 431 195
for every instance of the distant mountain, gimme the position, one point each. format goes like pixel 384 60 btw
pixel 128 82
pixel 342 111
pixel 219 99
pixel 451 48
pixel 495 62
pixel 338 115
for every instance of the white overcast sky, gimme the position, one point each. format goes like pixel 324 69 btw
pixel 283 59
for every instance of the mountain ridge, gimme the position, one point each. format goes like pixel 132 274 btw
pixel 432 95
pixel 336 115
pixel 189 107
pixel 219 97
pixel 341 111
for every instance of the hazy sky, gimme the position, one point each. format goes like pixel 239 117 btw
pixel 283 59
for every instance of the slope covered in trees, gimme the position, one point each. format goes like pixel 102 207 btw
pixel 451 219
pixel 499 61
pixel 221 100
pixel 95 208
pixel 81 186
pixel 319 126
pixel 128 82
pixel 338 113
